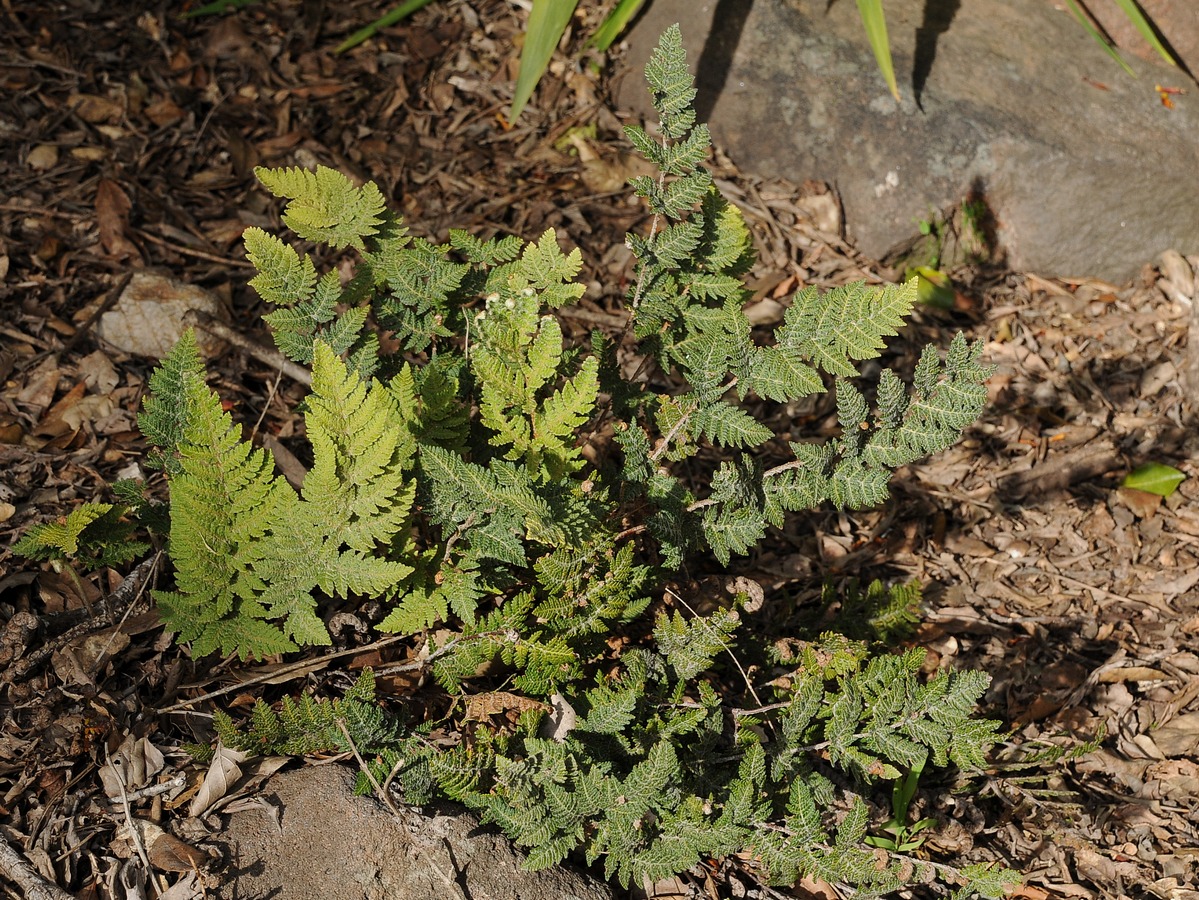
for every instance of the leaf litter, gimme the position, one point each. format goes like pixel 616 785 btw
pixel 132 141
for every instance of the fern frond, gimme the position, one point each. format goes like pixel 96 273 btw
pixel 324 206
pixel 845 324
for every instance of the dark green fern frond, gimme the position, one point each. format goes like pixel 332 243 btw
pixel 845 324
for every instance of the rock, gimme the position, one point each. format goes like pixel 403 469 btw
pixel 149 316
pixel 312 839
pixel 1175 19
pixel 1082 168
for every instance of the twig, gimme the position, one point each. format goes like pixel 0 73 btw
pixel 272 358
pixel 105 305
pixel 749 684
pixel 127 593
pixel 135 834
pixel 17 869
pixel 289 669
pixel 154 790
pixel 384 797
pixel 188 251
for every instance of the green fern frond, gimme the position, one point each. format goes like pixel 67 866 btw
pixel 324 206
pixel 96 534
pixel 845 324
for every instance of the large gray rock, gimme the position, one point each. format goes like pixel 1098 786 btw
pixel 313 839
pixel 1085 171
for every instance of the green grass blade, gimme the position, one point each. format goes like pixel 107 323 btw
pixel 616 22
pixel 1133 11
pixel 1094 32
pixel 216 7
pixel 547 21
pixel 876 33
pixel 387 19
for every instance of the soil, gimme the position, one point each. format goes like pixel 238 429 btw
pixel 130 138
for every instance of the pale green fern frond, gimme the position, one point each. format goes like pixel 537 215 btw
pixel 96 534
pixel 324 206
pixel 356 483
pixel 224 502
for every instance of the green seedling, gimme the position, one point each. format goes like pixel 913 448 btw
pixel 900 836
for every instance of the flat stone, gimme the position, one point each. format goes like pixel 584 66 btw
pixel 151 315
pixel 311 838
pixel 1084 171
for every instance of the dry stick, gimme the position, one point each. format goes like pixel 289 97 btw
pixel 290 669
pixel 727 649
pixel 17 869
pixel 134 834
pixel 127 592
pixel 272 358
pixel 303 664
pixel 197 254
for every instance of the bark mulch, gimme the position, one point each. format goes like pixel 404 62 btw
pixel 129 138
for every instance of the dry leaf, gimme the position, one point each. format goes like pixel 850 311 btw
pixel 98 373
pixel 42 157
pixel 558 724
pixel 112 218
pixel 133 766
pixel 80 661
pixel 223 772
pixel 94 108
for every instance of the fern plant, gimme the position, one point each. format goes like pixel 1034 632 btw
pixel 522 503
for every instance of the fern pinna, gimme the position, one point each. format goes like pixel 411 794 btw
pixel 521 502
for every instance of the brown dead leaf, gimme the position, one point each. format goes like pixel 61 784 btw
pixel 42 157
pixel 1142 503
pixel 493 703
pixel 112 218
pixel 60 592
pixel 223 773
pixel 134 764
pixel 54 423
pixel 98 373
pixel 95 109
pixel 80 661
pixel 166 852
pixel 164 112
pixel 1179 736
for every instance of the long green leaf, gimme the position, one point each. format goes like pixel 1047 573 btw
pixel 387 19
pixel 547 22
pixel 1133 11
pixel 616 22
pixel 1155 478
pixel 876 33
pixel 218 6
pixel 1094 32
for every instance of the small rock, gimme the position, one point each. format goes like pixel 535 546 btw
pixel 148 319
pixel 326 842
